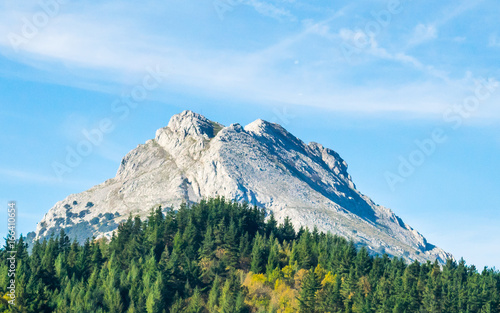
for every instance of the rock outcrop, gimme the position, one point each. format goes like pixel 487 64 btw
pixel 262 163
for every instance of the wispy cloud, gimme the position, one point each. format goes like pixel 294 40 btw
pixel 119 49
pixel 455 10
pixel 373 48
pixel 27 177
pixel 270 10
pixel 423 33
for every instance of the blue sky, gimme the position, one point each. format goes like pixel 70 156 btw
pixel 373 80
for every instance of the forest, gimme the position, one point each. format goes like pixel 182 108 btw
pixel 219 256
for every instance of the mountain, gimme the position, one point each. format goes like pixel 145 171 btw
pixel 262 164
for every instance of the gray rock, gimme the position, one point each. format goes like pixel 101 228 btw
pixel 262 163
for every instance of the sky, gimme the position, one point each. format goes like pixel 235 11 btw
pixel 406 92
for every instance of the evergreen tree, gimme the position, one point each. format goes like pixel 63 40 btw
pixel 309 288
pixel 362 262
pixel 178 305
pixel 273 259
pixel 154 302
pixel 228 297
pixel 271 225
pixel 244 251
pixel 286 230
pixel 195 302
pixel 64 242
pixel 329 298
pixel 259 254
pixel 231 245
pixel 112 296
pixel 214 295
pixel 96 258
pixel 83 261
pixel 188 261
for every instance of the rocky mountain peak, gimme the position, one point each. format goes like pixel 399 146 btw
pixel 189 123
pixel 187 134
pixel 262 163
pixel 257 127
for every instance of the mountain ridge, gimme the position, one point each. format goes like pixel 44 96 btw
pixel 262 164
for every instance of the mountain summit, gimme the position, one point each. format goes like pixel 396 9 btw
pixel 263 164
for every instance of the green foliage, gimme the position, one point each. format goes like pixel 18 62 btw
pixel 198 259
pixel 310 286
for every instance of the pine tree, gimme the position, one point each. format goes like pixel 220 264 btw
pixel 71 259
pixel 271 225
pixel 214 295
pixel 305 252
pixel 258 254
pixel 348 290
pixel 347 257
pixel 273 259
pixel 83 261
pixel 309 288
pixel 145 269
pixel 410 286
pixel 178 305
pixel 286 230
pixel 244 251
pixel 433 291
pixel 329 298
pixel 64 242
pixel 207 260
pixel 190 240
pixel 60 267
pixel 112 296
pixel 49 256
pixel 195 303
pixel 97 258
pixel 208 244
pixel 154 302
pixel 362 262
pixel 231 246
pixel 240 306
pixel 228 299
pixel 135 286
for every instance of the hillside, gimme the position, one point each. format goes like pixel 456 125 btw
pixel 224 257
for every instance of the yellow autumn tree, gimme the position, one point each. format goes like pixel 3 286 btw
pixel 259 291
pixel 284 298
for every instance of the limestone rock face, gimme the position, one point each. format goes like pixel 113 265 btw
pixel 263 164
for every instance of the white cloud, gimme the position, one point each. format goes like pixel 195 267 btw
pixel 370 45
pixel 422 33
pixel 357 37
pixel 32 178
pixel 119 50
pixel 27 176
pixel 321 29
pixel 269 10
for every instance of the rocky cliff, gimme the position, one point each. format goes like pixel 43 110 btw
pixel 262 163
